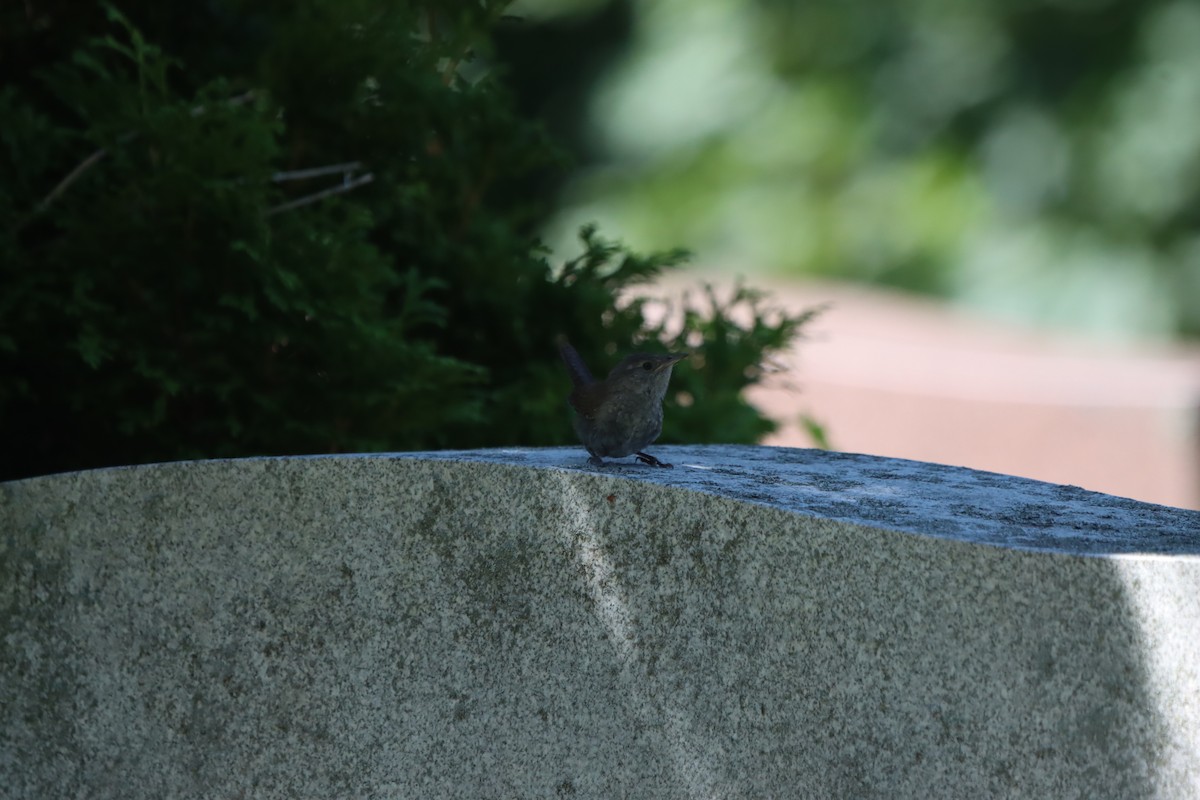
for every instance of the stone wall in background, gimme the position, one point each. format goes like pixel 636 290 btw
pixel 755 622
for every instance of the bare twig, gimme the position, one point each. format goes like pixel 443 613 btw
pixel 72 176
pixel 345 170
pixel 349 185
pixel 239 100
pixel 95 158
pixel 315 172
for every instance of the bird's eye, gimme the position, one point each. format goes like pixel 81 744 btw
pixel 646 365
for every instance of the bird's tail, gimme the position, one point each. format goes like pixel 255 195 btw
pixel 580 374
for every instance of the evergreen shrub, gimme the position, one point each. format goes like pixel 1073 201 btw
pixel 236 228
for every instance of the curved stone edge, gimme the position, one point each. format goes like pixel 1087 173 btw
pixel 897 494
pixel 892 663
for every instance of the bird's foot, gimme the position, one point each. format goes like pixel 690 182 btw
pixel 646 458
pixel 596 461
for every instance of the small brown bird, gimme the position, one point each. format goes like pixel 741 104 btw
pixel 621 414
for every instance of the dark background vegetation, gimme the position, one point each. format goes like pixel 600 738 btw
pixel 174 284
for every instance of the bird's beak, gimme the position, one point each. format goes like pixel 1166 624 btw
pixel 673 359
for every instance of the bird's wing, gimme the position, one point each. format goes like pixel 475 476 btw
pixel 586 399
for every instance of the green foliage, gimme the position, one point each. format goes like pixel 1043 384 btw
pixel 1033 160
pixel 816 431
pixel 319 240
pixel 729 357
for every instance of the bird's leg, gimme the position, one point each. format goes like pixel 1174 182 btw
pixel 646 458
pixel 595 460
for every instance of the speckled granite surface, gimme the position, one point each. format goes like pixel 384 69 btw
pixel 898 494
pixel 753 623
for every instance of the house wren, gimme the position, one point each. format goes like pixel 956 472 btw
pixel 621 414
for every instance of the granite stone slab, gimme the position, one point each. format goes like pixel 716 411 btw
pixel 756 622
